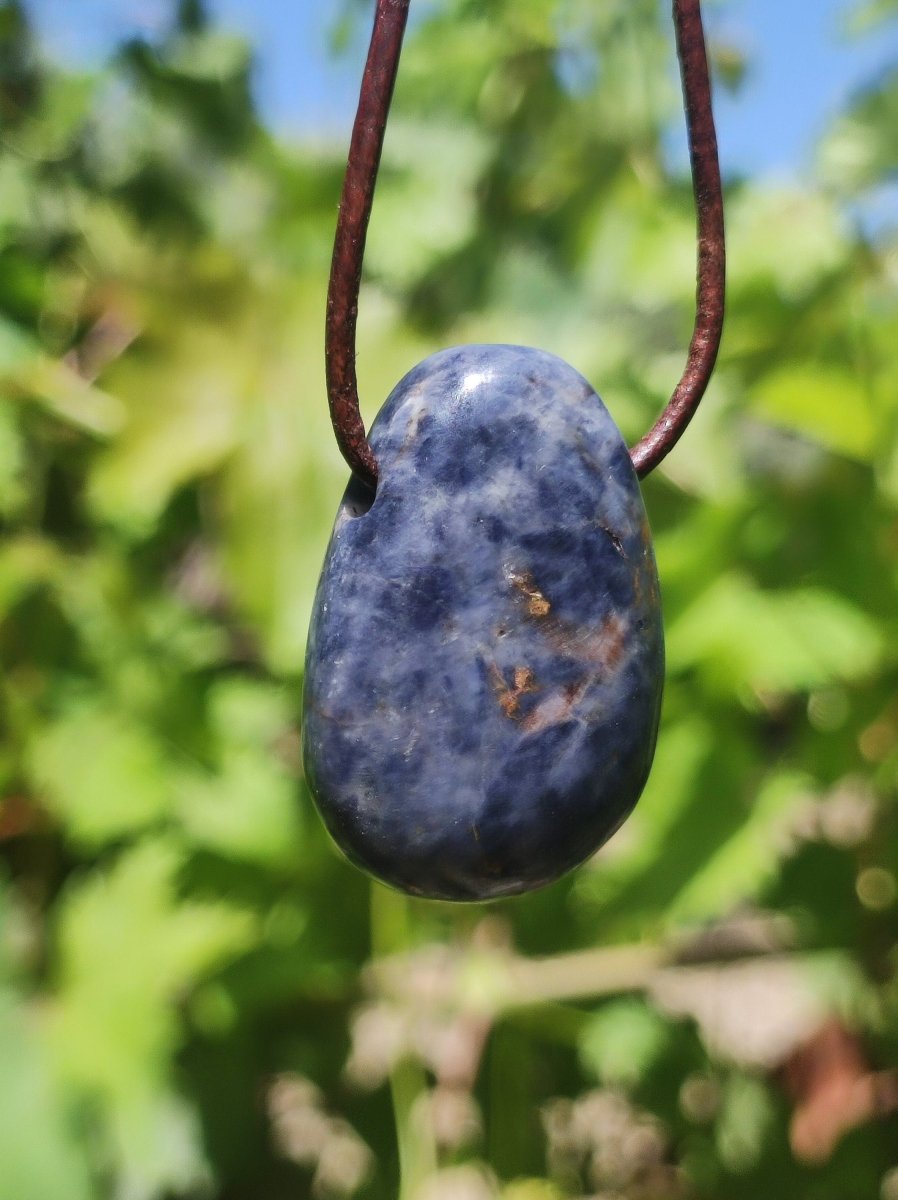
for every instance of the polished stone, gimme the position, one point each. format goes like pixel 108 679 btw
pixel 485 662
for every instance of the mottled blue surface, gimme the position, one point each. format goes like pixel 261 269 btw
pixel 485 660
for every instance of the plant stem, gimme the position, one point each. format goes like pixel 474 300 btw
pixel 391 934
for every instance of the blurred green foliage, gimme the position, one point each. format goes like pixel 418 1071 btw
pixel 198 998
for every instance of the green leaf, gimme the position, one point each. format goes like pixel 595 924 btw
pixel 869 14
pixel 55 130
pixel 128 947
pixel 101 774
pixel 443 197
pixel 16 184
pixel 210 55
pixel 18 349
pixel 622 1042
pixel 42 1154
pixel 822 401
pixel 786 239
pixel 744 639
pixel 742 865
pixel 246 810
pixel 13 488
pixel 180 426
pixel 745 1121
pixel 62 391
pixel 859 149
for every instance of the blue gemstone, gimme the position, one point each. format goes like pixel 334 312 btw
pixel 485 662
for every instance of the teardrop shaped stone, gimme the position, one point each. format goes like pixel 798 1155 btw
pixel 485 662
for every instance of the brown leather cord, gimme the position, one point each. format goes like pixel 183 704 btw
pixel 355 209
pixel 710 292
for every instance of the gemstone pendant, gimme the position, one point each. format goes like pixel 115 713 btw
pixel 485 662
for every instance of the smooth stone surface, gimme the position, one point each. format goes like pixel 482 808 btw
pixel 484 670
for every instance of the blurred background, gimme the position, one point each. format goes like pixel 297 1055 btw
pixel 198 998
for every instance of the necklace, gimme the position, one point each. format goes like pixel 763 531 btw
pixel 485 660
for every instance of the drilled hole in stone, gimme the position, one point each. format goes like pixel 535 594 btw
pixel 358 498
